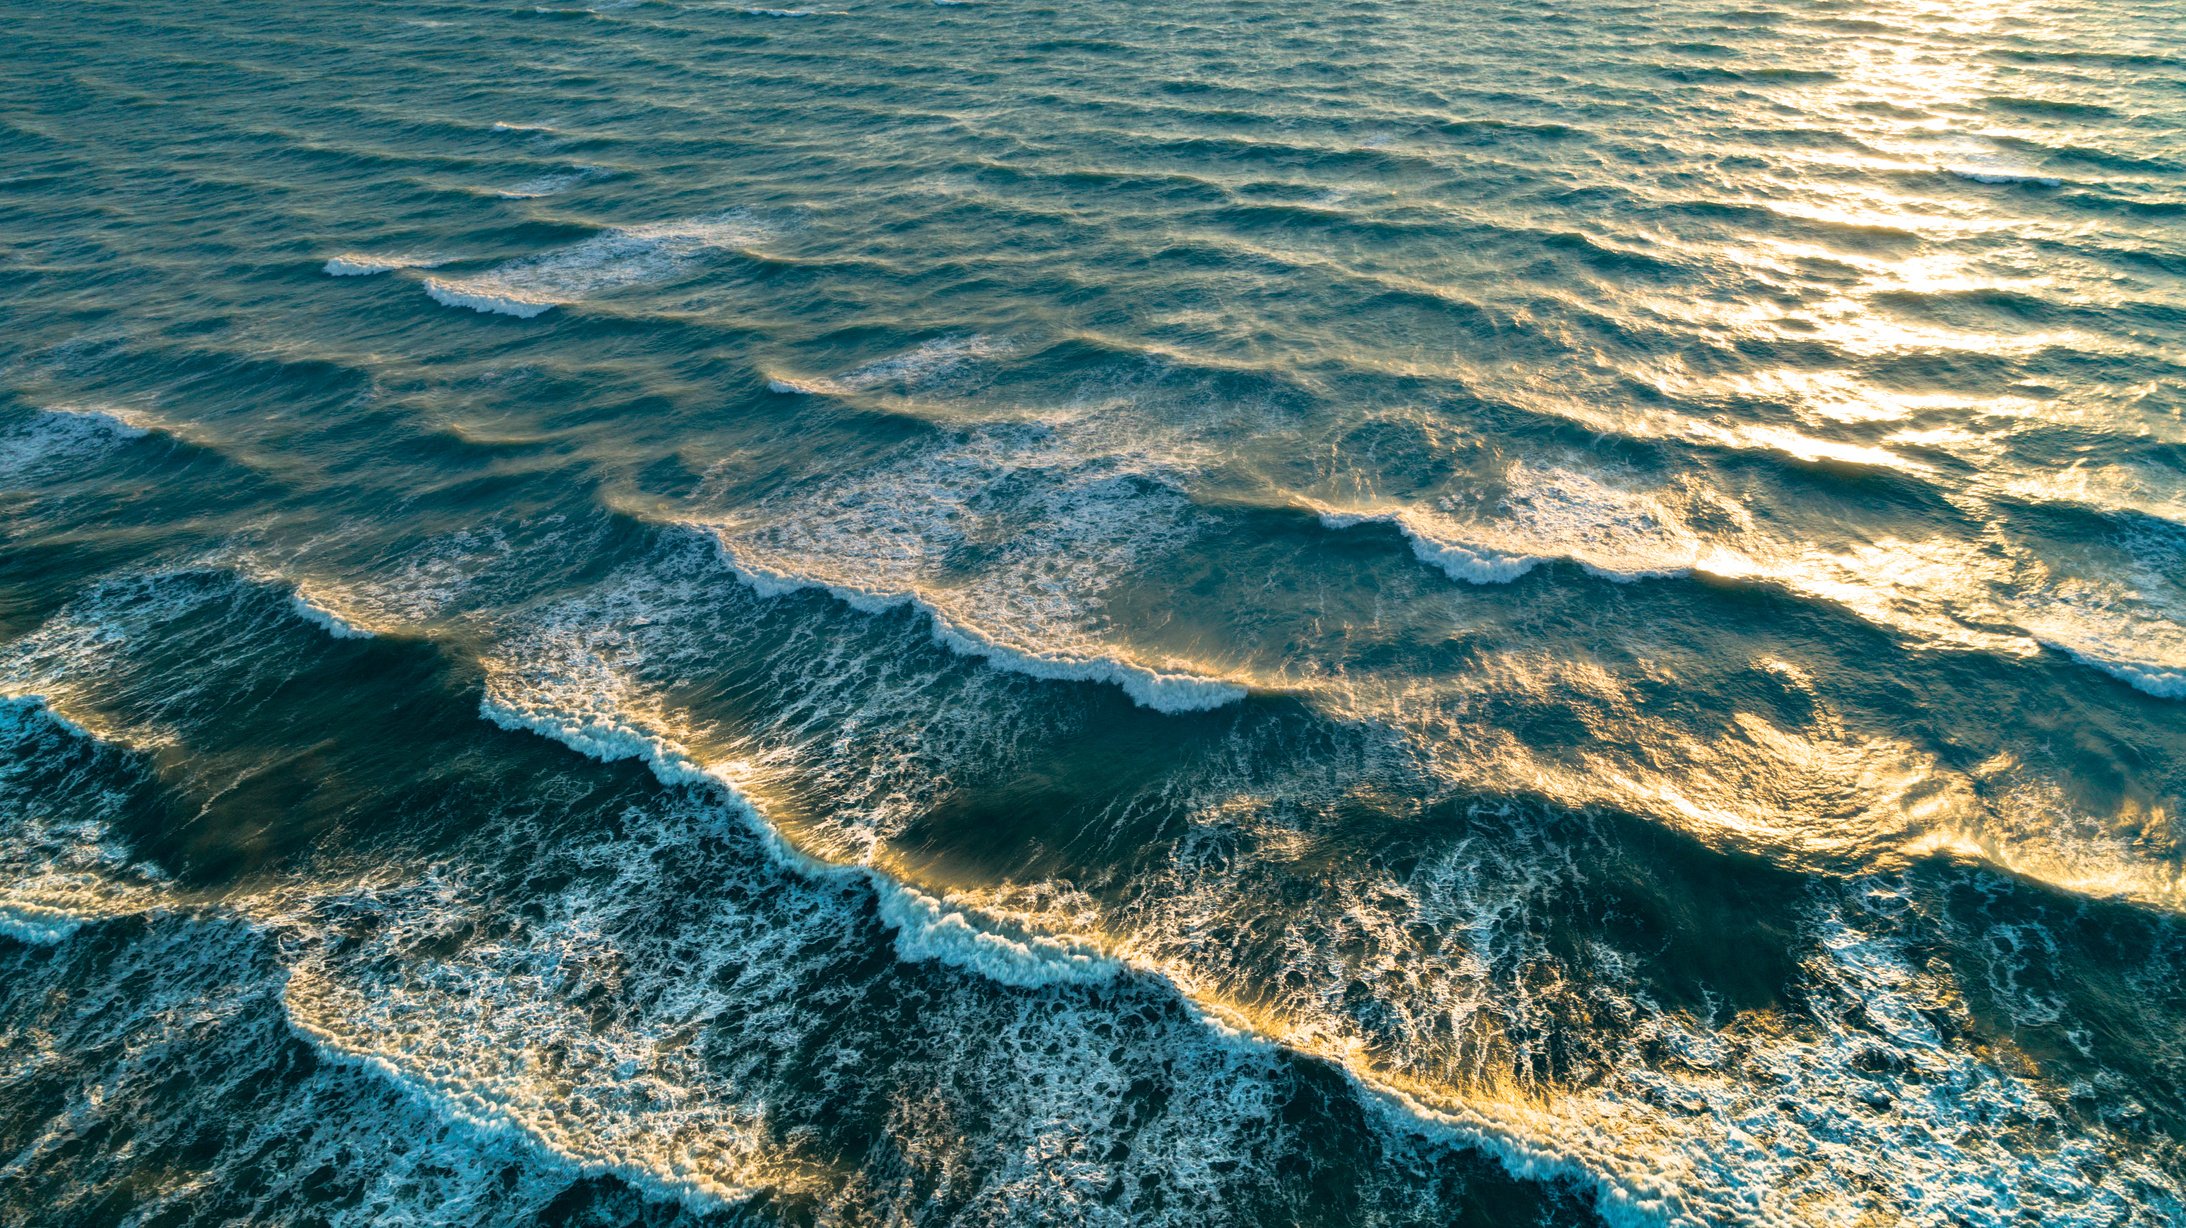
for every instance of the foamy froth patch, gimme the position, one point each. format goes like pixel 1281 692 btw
pixel 1943 592
pixel 490 302
pixel 928 928
pixel 319 614
pixel 1163 691
pixel 2164 681
pixel 1053 519
pixel 502 1072
pixel 2000 175
pixel 576 699
pixel 37 925
pixel 61 433
pixel 2134 636
pixel 912 370
pixel 1609 530
pixel 60 868
pixel 1761 1117
pixel 353 264
pixel 1469 564
pixel 464 1045
pixel 1616 531
pixel 496 1028
pixel 615 260
pixel 384 1154
pixel 924 363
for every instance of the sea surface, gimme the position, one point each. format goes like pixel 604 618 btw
pixel 1044 612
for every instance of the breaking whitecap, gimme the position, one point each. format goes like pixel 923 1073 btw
pixel 615 260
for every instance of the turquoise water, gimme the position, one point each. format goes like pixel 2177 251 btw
pixel 1048 613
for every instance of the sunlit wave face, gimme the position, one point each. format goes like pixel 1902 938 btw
pixel 1059 612
pixel 1928 295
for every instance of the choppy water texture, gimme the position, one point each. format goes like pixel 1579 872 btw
pixel 1000 612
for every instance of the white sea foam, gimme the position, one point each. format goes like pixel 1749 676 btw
pixel 614 260
pixel 1005 539
pixel 59 872
pixel 396 1135
pixel 36 924
pixel 60 869
pixel 2161 681
pixel 1613 530
pixel 1741 1123
pixel 2126 626
pixel 927 928
pixel 1161 690
pixel 913 369
pixel 1456 560
pixel 471 295
pixel 67 432
pixel 491 1037
pixel 319 615
pixel 923 364
pixel 489 1110
pixel 580 713
pixel 469 1034
pixel 353 264
pixel 1617 534
pixel 498 1033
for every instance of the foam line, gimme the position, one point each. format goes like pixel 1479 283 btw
pixel 453 1102
pixel 23 705
pixel 36 925
pixel 352 264
pixel 2161 681
pixel 61 432
pixel 927 928
pixel 325 619
pixel 454 294
pixel 1162 691
pixel 611 260
pixel 1460 562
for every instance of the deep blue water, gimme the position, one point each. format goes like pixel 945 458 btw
pixel 1015 613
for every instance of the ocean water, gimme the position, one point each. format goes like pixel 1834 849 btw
pixel 1026 612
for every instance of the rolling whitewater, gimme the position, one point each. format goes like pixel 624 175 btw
pixel 1031 612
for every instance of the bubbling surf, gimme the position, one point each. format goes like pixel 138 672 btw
pixel 987 613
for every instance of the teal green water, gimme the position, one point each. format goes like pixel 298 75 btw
pixel 1018 613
